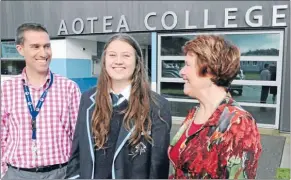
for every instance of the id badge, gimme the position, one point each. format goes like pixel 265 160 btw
pixel 34 149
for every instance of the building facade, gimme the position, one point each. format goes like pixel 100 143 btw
pixel 79 30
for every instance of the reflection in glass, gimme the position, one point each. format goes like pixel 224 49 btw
pixel 252 70
pixel 256 44
pixel 181 109
pixel 9 67
pixel 266 115
pixel 173 90
pixel 262 115
pixel 172 45
pixel 171 69
pixel 254 94
pixel 241 93
pixel 266 44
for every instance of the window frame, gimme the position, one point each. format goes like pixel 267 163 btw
pixel 277 83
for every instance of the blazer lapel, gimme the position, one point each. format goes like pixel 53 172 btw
pixel 89 131
pixel 122 139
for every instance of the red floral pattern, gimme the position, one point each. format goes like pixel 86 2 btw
pixel 227 147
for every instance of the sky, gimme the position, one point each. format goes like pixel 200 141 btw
pixel 248 42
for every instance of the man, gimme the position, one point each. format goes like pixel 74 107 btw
pixel 265 76
pixel 38 112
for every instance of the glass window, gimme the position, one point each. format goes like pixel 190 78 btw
pixel 171 69
pixel 257 45
pixel 100 47
pixel 12 67
pixel 96 66
pixel 267 44
pixel 250 72
pixel 172 45
pixel 181 109
pixel 254 94
pixel 12 63
pixel 262 115
pixel 241 93
pixel 8 50
pixel 173 90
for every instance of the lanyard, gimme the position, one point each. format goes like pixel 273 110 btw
pixel 34 112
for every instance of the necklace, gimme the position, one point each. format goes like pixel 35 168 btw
pixel 191 121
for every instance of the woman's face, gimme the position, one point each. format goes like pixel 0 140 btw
pixel 193 82
pixel 120 61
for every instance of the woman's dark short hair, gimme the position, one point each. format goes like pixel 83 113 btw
pixel 216 57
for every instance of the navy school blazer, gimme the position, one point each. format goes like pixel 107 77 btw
pixel 151 163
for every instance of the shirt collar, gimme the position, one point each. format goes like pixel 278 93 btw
pixel 125 92
pixel 24 76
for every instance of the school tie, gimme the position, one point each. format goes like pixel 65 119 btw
pixel 115 98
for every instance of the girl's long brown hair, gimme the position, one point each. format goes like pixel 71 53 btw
pixel 138 110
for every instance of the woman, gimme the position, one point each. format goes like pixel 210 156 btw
pixel 121 131
pixel 218 139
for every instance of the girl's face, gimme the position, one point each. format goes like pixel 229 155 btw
pixel 120 61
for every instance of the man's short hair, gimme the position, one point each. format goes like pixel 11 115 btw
pixel 27 27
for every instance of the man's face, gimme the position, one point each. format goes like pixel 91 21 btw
pixel 36 50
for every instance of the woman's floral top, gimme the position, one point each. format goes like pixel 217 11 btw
pixel 226 147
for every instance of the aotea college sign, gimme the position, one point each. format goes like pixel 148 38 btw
pixel 78 24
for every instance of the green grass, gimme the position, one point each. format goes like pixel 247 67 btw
pixel 252 76
pixel 283 173
pixel 173 91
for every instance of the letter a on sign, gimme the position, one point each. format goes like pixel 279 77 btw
pixel 62 28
